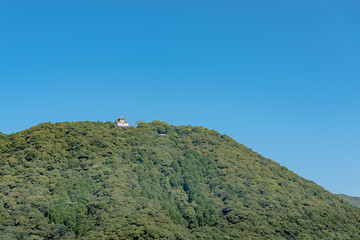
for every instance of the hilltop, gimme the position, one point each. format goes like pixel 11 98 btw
pixel 91 180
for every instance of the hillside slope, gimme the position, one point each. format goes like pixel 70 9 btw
pixel 355 201
pixel 87 180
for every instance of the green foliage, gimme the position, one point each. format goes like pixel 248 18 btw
pixel 355 201
pixel 69 206
pixel 87 180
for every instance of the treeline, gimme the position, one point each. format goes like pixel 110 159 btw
pixel 90 180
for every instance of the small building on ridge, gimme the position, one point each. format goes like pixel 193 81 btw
pixel 120 122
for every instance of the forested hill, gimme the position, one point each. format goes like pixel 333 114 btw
pixel 355 201
pixel 87 180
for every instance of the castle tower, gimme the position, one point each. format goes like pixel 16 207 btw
pixel 120 122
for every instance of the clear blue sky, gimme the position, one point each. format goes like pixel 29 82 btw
pixel 281 77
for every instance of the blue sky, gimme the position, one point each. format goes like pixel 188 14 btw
pixel 281 77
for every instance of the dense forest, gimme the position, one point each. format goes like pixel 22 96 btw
pixel 90 180
pixel 355 201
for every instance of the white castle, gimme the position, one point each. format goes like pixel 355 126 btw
pixel 120 122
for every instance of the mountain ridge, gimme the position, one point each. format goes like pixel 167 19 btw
pixel 90 180
pixel 355 201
